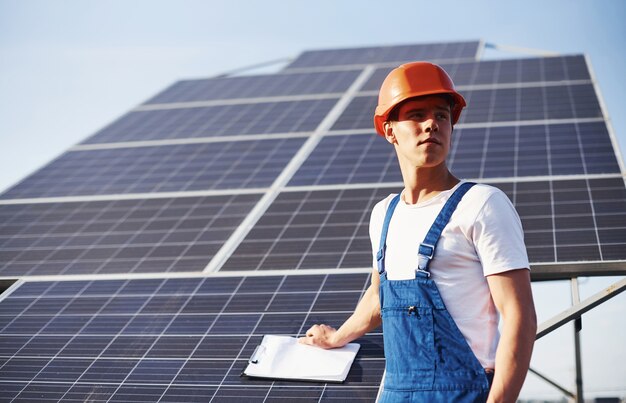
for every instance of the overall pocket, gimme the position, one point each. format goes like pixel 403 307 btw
pixel 409 347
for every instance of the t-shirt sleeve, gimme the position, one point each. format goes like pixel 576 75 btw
pixel 499 237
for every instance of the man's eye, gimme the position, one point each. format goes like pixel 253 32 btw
pixel 442 116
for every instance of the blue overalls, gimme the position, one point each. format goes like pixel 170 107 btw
pixel 427 357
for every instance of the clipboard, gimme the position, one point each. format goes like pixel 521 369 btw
pixel 283 358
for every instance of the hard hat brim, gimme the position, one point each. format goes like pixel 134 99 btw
pixel 382 111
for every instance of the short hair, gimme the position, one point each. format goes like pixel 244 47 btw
pixel 394 113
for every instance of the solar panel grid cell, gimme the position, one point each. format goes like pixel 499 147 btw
pixel 214 121
pixel 386 54
pixel 490 152
pixel 564 220
pixel 349 159
pixel 256 86
pixel 513 71
pixel 316 229
pixel 169 363
pixel 329 228
pixel 498 105
pixel 208 166
pixel 171 234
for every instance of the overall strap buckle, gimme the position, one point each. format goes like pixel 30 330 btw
pixel 380 259
pixel 426 249
pixel 425 254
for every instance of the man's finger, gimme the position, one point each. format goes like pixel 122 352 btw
pixel 305 340
pixel 313 331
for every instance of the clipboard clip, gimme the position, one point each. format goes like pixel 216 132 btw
pixel 256 355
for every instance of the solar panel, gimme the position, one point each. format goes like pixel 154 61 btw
pixel 565 221
pixel 270 85
pixel 214 121
pixel 483 152
pixel 167 168
pixel 361 158
pixel 178 339
pixel 510 71
pixel 574 220
pixel 310 230
pixel 577 101
pixel 117 236
pixel 386 54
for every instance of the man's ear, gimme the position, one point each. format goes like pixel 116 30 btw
pixel 389 134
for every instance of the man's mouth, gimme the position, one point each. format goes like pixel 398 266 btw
pixel 429 140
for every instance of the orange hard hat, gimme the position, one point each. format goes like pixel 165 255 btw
pixel 414 80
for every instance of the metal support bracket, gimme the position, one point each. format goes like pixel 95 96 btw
pixel 553 383
pixel 576 310
pixel 575 313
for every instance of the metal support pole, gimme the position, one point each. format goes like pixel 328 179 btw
pixel 573 314
pixel 553 383
pixel 578 325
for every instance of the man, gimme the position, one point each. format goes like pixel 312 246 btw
pixel 437 289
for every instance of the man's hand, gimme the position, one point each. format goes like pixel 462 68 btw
pixel 320 336
pixel 365 318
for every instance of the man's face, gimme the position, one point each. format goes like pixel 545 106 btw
pixel 423 131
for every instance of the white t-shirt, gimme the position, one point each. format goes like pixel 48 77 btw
pixel 484 237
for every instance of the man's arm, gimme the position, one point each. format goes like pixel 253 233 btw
pixel 513 298
pixel 365 318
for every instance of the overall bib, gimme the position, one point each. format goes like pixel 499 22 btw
pixel 427 357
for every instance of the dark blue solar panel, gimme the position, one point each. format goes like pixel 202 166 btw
pixel 386 54
pixel 558 149
pixel 145 235
pixel 574 220
pixel 510 71
pixel 257 86
pixel 193 354
pixel 532 103
pixel 493 152
pixel 366 158
pixel 329 229
pixel 498 105
pixel 208 166
pixel 213 121
pixel 310 229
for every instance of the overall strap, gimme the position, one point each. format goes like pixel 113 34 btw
pixel 426 249
pixel 380 256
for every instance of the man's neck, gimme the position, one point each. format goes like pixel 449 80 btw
pixel 424 183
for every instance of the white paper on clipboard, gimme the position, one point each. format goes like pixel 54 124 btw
pixel 282 357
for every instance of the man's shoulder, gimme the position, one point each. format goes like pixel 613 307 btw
pixel 482 192
pixel 481 198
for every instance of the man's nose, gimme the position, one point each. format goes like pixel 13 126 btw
pixel 431 125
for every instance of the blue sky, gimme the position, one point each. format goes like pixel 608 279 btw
pixel 67 68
